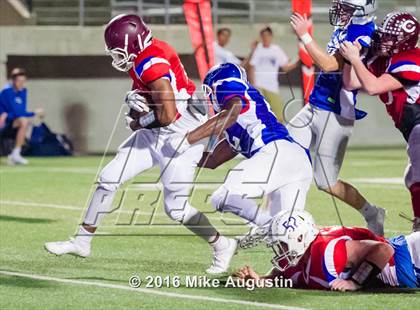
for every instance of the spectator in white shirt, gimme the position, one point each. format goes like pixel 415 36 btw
pixel 266 61
pixel 221 54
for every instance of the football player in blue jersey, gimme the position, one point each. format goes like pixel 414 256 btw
pixel 275 164
pixel 327 122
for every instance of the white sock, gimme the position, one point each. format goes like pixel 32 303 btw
pixel 83 236
pixel 16 151
pixel 199 224
pixel 368 211
pixel 219 243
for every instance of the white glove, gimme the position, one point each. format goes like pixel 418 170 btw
pixel 127 120
pixel 136 101
pixel 179 144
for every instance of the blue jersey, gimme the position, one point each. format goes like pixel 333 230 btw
pixel 328 93
pixel 14 103
pixel 256 125
pixel 407 274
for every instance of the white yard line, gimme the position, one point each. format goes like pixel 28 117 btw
pixel 81 170
pixel 383 181
pixel 77 208
pixel 158 186
pixel 150 291
pixel 50 169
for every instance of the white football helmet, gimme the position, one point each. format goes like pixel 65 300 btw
pixel 343 11
pixel 290 235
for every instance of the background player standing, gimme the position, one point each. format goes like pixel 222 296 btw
pixel 327 122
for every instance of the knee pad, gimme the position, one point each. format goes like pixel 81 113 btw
pixel 323 178
pixel 176 206
pixel 411 176
pixel 218 198
pixel 108 185
pixel 109 181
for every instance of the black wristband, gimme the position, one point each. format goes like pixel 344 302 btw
pixel 365 273
pixel 347 62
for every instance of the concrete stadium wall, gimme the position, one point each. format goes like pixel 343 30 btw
pixel 97 102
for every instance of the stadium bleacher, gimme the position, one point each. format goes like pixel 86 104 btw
pixel 97 12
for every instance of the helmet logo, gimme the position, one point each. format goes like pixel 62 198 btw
pixel 409 26
pixel 288 224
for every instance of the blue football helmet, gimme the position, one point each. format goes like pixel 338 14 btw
pixel 218 73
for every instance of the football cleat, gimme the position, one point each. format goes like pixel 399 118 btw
pixel 222 258
pixel 254 237
pixel 376 223
pixel 415 221
pixel 16 160
pixel 70 247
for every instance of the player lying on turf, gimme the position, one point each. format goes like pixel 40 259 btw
pixel 158 74
pixel 336 258
pixel 327 122
pixel 275 164
pixel 393 73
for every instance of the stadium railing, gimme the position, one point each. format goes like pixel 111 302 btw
pixel 98 12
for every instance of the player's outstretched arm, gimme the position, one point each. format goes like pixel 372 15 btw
pixel 369 82
pixel 326 62
pixel 221 154
pixel 218 123
pixel 366 258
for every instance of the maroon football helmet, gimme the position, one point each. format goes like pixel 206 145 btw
pixel 126 35
pixel 399 32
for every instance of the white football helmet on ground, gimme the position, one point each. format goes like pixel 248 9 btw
pixel 343 11
pixel 290 234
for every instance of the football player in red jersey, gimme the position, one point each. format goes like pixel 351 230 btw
pixel 336 258
pixel 393 73
pixel 161 96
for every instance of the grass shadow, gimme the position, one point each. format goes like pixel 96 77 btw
pixel 26 220
pixel 6 280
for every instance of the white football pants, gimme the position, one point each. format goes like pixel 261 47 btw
pixel 281 169
pixel 143 150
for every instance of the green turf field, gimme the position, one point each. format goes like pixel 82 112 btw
pixel 44 202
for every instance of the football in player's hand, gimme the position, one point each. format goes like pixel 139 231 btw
pixel 135 114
